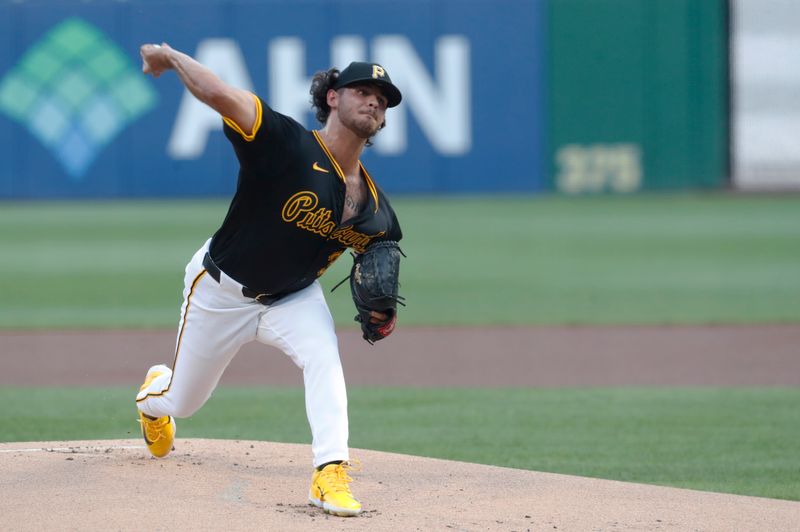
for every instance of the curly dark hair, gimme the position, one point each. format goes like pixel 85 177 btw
pixel 320 84
pixel 322 81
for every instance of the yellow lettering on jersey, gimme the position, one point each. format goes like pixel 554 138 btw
pixel 318 222
pixel 377 71
pixel 353 239
pixel 301 202
pixel 301 208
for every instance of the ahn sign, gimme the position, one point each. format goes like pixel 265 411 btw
pixel 78 119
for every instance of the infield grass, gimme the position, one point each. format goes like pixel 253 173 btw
pixel 740 441
pixel 649 259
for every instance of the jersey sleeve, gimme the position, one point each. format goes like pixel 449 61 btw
pixel 395 233
pixel 267 149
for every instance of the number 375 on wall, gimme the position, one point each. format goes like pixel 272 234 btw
pixel 598 168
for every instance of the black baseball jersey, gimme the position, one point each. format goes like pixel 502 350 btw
pixel 283 228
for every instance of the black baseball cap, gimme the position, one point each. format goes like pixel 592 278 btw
pixel 360 72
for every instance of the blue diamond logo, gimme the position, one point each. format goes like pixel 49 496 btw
pixel 74 100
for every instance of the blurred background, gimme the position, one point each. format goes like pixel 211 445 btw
pixel 536 96
pixel 555 163
pixel 560 161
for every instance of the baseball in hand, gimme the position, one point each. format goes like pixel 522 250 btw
pixel 153 62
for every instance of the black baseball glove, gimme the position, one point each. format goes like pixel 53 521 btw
pixel 373 285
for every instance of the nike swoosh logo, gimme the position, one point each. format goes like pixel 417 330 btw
pixel 318 168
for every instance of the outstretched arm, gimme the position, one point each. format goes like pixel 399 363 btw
pixel 230 102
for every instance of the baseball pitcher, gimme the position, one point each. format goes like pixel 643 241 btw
pixel 302 198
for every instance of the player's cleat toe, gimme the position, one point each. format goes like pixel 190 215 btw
pixel 159 434
pixel 330 491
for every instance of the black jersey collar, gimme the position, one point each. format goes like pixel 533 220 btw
pixel 370 184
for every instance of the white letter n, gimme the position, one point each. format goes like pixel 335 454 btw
pixel 443 111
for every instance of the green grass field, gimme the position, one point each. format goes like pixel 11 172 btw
pixel 739 441
pixel 652 259
pixel 551 260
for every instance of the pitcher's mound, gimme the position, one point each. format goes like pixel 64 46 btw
pixel 249 485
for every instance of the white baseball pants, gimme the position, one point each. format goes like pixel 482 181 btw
pixel 217 320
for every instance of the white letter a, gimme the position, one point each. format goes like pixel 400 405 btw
pixel 195 120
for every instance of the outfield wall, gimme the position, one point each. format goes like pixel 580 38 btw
pixel 638 94
pixel 499 95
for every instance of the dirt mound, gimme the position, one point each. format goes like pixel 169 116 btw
pixel 248 485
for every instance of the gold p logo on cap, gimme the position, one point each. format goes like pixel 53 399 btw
pixel 377 71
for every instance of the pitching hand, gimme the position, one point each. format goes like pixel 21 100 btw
pixel 155 58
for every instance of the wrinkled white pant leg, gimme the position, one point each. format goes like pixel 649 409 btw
pixel 301 326
pixel 214 325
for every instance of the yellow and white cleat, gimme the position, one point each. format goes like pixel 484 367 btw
pixel 158 433
pixel 330 490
